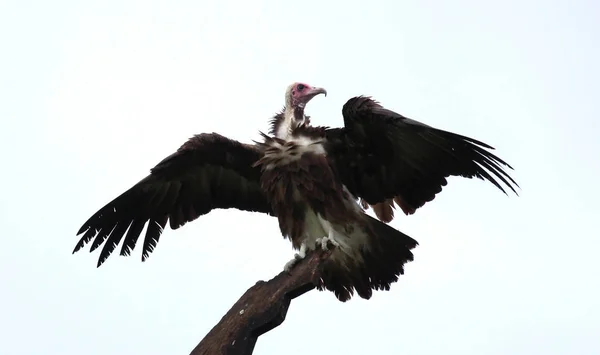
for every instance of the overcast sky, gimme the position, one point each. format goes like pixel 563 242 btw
pixel 93 94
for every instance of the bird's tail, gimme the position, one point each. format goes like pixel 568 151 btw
pixel 377 263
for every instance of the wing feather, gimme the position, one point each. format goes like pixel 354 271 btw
pixel 132 236
pixel 208 172
pixel 383 157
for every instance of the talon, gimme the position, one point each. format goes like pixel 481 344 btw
pixel 290 264
pixel 322 242
pixel 297 257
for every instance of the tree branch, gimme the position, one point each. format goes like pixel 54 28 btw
pixel 262 308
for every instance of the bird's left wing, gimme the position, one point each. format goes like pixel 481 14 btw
pixel 209 171
pixel 383 157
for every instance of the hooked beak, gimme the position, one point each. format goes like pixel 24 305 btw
pixel 316 91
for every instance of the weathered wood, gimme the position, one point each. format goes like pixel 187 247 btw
pixel 261 308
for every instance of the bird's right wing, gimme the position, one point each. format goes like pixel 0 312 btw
pixel 209 171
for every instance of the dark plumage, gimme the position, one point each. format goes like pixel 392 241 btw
pixel 310 201
pixel 310 178
pixel 209 171
pixel 383 156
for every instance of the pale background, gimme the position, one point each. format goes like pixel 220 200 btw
pixel 93 94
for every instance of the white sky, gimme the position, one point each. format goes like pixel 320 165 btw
pixel 92 95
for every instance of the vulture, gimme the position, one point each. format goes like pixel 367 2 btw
pixel 317 181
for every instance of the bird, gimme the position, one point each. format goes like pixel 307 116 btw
pixel 317 181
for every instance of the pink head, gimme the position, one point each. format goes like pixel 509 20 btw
pixel 299 94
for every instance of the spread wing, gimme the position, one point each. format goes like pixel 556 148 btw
pixel 384 157
pixel 209 171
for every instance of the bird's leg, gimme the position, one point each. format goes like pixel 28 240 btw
pixel 330 238
pixel 297 257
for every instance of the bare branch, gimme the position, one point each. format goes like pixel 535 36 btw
pixel 262 308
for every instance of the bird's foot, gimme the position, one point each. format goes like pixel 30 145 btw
pixel 297 257
pixel 325 240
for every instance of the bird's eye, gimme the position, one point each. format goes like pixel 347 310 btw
pixel 300 87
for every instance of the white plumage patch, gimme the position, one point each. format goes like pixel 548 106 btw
pixel 348 244
pixel 289 123
pixel 348 239
pixel 292 150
